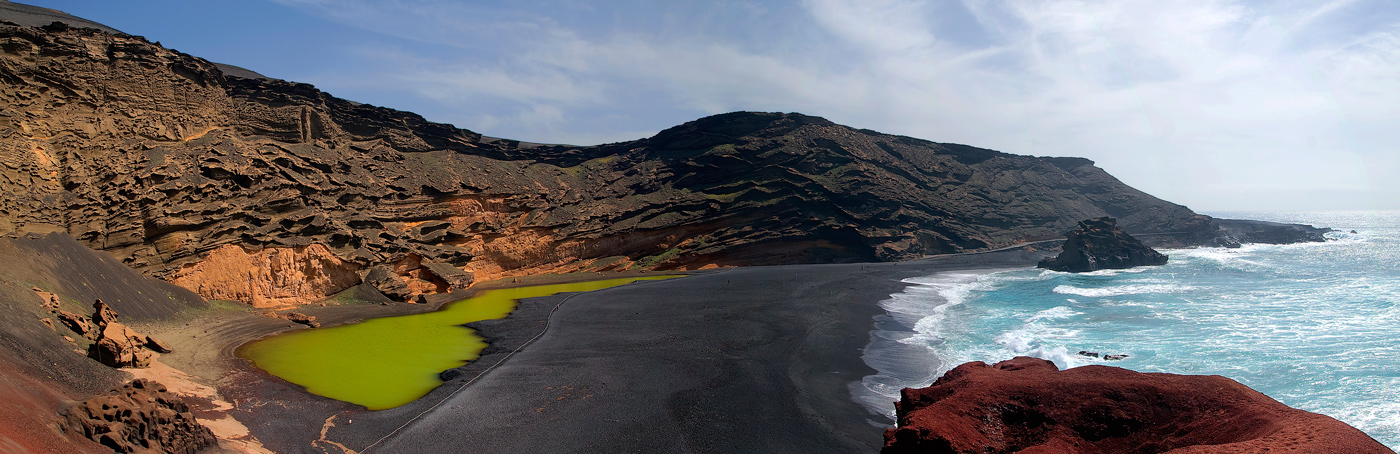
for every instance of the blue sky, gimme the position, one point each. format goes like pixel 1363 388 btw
pixel 1215 104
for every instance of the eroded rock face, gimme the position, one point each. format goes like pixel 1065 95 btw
pixel 1098 244
pixel 1028 405
pixel 193 175
pixel 271 277
pixel 139 417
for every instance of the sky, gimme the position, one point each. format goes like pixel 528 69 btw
pixel 1219 105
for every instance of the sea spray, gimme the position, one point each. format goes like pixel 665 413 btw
pixel 1309 324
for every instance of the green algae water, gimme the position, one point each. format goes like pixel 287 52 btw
pixel 387 362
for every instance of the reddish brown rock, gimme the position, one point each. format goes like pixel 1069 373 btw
pixel 139 417
pixel 268 277
pixel 118 345
pixel 103 315
pixel 1027 405
pixel 157 345
pixel 77 323
pixel 298 317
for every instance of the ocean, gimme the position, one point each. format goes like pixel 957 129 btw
pixel 1315 326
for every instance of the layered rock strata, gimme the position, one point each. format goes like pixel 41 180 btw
pixel 275 193
pixel 1098 244
pixel 1028 405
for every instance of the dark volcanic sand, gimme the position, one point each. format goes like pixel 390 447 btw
pixel 742 360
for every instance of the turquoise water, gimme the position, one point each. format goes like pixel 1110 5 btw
pixel 1315 326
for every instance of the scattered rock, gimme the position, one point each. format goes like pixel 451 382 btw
pixel 298 317
pixel 118 345
pixel 157 345
pixel 77 323
pixel 1115 357
pixel 141 416
pixel 1099 244
pixel 1089 354
pixel 1028 405
pixel 450 374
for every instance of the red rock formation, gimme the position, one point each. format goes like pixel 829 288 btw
pixel 139 417
pixel 1027 405
pixel 118 345
pixel 271 277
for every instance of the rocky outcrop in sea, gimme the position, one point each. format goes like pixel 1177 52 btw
pixel 1098 244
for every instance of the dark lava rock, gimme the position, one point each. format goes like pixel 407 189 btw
pixel 1028 405
pixel 162 159
pixel 388 282
pixel 181 159
pixel 1249 231
pixel 1099 244
pixel 450 374
pixel 139 417
pixel 454 277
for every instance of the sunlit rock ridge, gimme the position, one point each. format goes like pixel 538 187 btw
pixel 275 193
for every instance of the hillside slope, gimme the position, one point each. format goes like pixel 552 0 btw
pixel 276 193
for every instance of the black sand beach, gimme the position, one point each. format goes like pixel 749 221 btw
pixel 752 359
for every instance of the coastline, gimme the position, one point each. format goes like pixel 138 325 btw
pixel 226 391
pixel 724 360
pixel 899 364
pixel 744 359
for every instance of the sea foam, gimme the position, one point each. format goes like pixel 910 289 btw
pixel 1311 325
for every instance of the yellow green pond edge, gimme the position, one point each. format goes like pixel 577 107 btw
pixel 386 362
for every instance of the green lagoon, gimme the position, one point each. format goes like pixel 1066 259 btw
pixel 387 362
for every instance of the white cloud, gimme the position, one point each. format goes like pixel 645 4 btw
pixel 1182 99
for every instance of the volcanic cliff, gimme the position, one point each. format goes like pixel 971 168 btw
pixel 275 193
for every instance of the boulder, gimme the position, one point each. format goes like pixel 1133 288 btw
pixel 157 345
pixel 298 317
pixel 102 314
pixel 455 277
pixel 1099 244
pixel 1028 405
pixel 141 416
pixel 77 323
pixel 388 282
pixel 118 345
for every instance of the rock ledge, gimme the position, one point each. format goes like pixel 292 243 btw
pixel 1028 405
